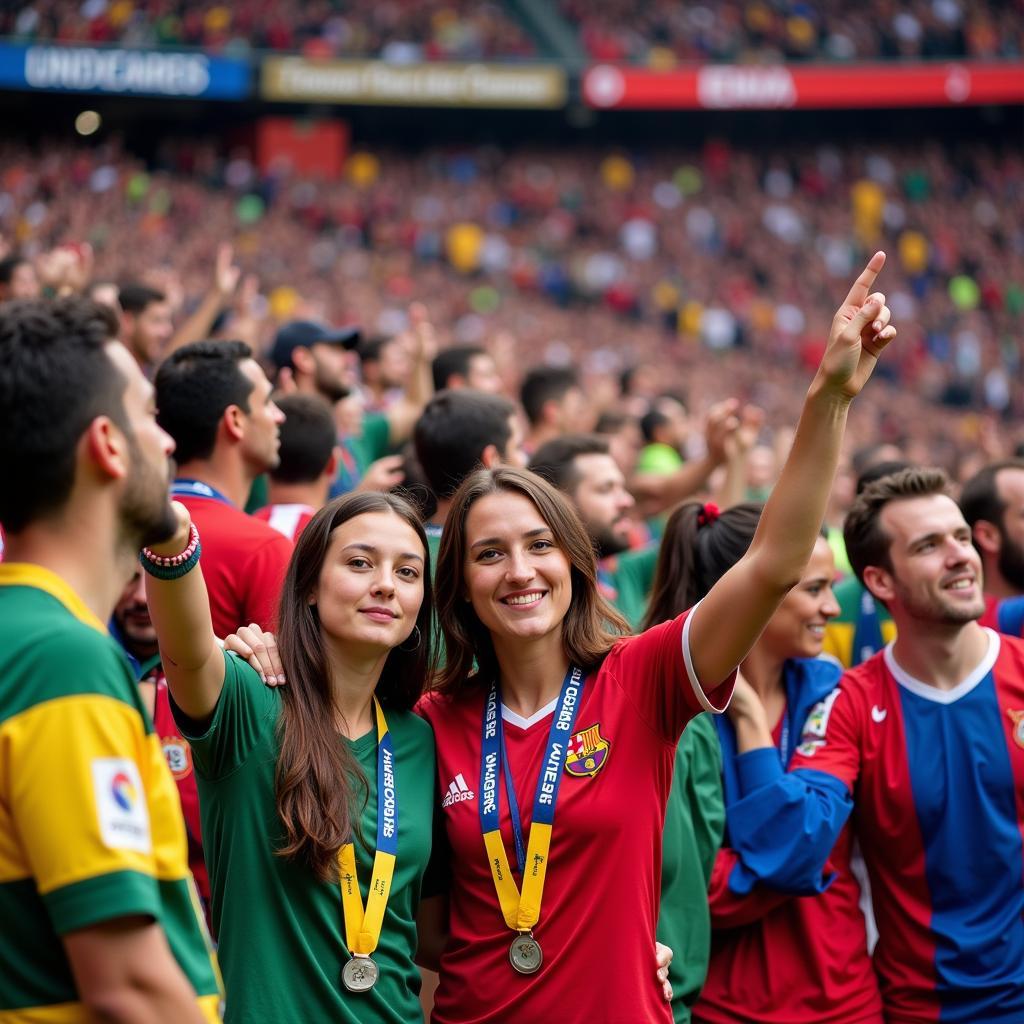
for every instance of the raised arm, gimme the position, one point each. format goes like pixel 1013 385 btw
pixel 180 610
pixel 728 621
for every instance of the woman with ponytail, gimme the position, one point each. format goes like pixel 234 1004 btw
pixel 317 798
pixel 775 958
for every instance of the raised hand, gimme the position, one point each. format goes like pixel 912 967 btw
pixel 860 331
pixel 226 274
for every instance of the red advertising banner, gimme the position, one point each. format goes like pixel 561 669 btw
pixel 780 87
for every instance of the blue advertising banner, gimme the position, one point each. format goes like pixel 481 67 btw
pixel 57 68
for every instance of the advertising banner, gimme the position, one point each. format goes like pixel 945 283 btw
pixel 114 71
pixel 296 79
pixel 826 86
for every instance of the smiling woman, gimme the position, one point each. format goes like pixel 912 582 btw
pixel 542 695
pixel 316 920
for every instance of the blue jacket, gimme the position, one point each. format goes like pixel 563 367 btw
pixel 781 832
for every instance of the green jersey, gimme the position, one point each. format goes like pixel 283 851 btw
pixel 626 580
pixel 90 823
pixel 281 930
pixel 694 826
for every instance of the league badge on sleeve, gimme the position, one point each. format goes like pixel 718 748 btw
pixel 588 751
pixel 1017 717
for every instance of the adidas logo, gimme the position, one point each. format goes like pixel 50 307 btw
pixel 457 792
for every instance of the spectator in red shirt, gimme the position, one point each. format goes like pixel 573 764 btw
pixel 214 400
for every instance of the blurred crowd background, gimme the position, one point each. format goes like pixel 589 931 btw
pixel 712 252
pixel 658 33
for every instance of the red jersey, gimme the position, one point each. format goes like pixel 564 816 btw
pixel 289 520
pixel 600 904
pixel 178 755
pixel 243 560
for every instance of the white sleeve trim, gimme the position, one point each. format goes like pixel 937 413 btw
pixel 702 697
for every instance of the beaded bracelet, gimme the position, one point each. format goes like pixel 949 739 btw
pixel 173 567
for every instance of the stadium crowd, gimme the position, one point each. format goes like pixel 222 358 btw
pixel 716 263
pixel 659 35
pixel 394 30
pixel 663 33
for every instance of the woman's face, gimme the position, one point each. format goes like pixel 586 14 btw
pixel 371 584
pixel 517 580
pixel 797 629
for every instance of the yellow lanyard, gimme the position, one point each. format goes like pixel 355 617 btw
pixel 362 928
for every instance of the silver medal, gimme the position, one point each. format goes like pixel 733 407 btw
pixel 360 974
pixel 525 954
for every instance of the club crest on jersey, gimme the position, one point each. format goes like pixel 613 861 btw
pixel 178 755
pixel 1017 717
pixel 587 753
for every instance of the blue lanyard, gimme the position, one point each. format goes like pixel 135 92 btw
pixel 550 779
pixel 387 794
pixel 183 487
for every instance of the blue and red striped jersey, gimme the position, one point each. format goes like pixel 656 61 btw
pixel 937 778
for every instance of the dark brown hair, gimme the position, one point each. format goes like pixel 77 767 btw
pixel 317 776
pixel 591 625
pixel 866 542
pixel 980 498
pixel 694 556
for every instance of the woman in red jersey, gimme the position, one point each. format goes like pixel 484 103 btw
pixel 775 959
pixel 556 736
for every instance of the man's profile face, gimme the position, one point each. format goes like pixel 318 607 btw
pixel 936 570
pixel 146 513
pixel 332 371
pixel 262 441
pixel 603 502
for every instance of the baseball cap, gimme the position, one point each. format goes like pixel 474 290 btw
pixel 306 333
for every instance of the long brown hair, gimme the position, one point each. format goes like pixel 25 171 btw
pixel 694 555
pixel 591 626
pixel 318 778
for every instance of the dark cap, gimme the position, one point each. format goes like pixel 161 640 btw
pixel 306 333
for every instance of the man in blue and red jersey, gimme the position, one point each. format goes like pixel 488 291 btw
pixel 924 742
pixel 214 400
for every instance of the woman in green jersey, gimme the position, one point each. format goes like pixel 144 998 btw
pixel 317 798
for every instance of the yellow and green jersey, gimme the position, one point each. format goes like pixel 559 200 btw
pixel 90 824
pixel 862 627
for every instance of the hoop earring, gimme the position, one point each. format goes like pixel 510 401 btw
pixel 416 646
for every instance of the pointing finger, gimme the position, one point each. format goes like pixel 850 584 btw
pixel 861 287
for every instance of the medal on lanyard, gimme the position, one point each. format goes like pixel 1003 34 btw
pixel 521 910
pixel 362 928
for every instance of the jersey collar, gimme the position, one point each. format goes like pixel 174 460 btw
pixel 25 574
pixel 933 693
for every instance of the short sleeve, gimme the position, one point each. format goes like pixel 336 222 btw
pixel 80 766
pixel 246 711
pixel 830 740
pixel 656 672
pixel 264 576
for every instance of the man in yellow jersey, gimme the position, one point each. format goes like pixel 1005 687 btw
pixel 97 902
